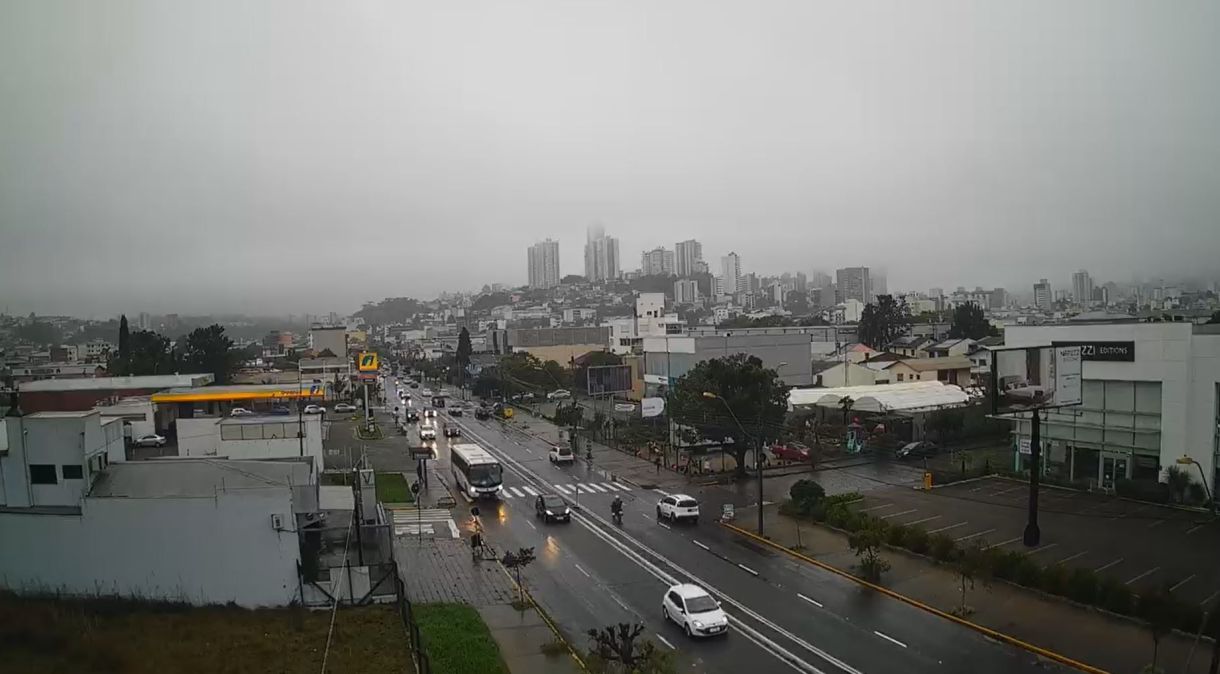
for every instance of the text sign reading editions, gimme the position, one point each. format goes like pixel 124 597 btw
pixel 1114 352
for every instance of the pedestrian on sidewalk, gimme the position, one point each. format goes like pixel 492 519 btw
pixel 657 460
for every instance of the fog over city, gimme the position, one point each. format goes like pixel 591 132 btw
pixel 286 157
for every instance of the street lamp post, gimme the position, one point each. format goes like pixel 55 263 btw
pixel 757 452
pixel 1187 460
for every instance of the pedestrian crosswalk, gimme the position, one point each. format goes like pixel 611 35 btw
pixel 423 521
pixel 568 489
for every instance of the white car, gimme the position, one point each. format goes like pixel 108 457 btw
pixel 429 414
pixel 345 407
pixel 624 407
pixel 426 392
pixel 694 610
pixel 427 432
pixel 315 409
pixel 678 507
pixel 559 394
pixel 240 412
pixel 561 454
pixel 150 440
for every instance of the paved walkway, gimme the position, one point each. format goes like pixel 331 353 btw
pixel 1082 634
pixel 439 568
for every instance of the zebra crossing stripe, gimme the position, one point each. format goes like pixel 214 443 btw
pixel 599 488
pixel 583 487
pixel 563 488
pixel 531 491
pixel 619 487
pixel 518 492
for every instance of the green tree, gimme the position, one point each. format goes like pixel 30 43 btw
pixel 866 543
pixel 754 393
pixel 516 563
pixel 971 564
pixel 462 356
pixel 124 347
pixel 618 648
pixel 572 278
pixel 149 354
pixel 1157 610
pixel 210 350
pixel 884 321
pixel 969 322
pixel 38 332
pixel 846 403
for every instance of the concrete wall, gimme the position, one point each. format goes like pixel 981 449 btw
pixel 201 550
pixel 198 437
pixel 207 437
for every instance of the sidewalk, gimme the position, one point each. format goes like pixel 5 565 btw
pixel 1083 634
pixel 440 569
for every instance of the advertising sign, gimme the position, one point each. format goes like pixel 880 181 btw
pixel 651 407
pixel 368 361
pixel 609 379
pixel 1030 378
pixel 1113 352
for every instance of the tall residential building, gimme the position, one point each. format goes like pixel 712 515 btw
pixel 879 284
pixel 853 284
pixel 800 282
pixel 601 256
pixel 1042 295
pixel 1082 287
pixel 657 262
pixel 820 280
pixel 544 264
pixel 686 291
pixel 701 267
pixel 687 254
pixel 730 273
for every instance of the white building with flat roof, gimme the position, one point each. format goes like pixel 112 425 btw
pixel 1151 396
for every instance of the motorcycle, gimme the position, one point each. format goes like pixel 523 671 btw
pixel 617 516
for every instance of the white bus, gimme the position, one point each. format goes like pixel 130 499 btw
pixel 476 472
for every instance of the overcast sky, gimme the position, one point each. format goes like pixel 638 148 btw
pixel 288 157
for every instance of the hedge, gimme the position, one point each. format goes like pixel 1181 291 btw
pixel 1080 585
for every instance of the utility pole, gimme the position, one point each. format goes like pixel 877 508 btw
pixel 1033 534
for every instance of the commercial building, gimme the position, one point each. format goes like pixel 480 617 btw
pixel 657 262
pixel 544 264
pixel 561 345
pixel 601 256
pixel 686 291
pixel 1082 288
pixel 1151 399
pixel 853 283
pixel 68 395
pixel 1042 295
pixel 730 274
pixel 687 258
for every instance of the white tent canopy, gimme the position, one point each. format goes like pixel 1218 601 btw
pixel 882 398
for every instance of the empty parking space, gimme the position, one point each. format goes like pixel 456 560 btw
pixel 1145 546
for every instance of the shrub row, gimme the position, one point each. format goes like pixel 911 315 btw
pixel 1081 585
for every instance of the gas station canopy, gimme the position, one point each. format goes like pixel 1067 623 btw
pixel 305 390
pixel 882 398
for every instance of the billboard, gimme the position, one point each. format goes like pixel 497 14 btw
pixel 1030 378
pixel 368 361
pixel 605 379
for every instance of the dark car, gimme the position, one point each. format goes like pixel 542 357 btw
pixel 438 401
pixel 412 416
pixel 914 450
pixel 550 507
pixel 452 431
pixel 482 413
pixel 280 410
pixel 455 411
pixel 414 384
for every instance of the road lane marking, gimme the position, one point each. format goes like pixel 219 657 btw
pixel 1071 557
pixel 663 525
pixel 1043 548
pixel 1005 491
pixel 976 534
pixel 1112 562
pixel 889 638
pixel 531 525
pixel 563 488
pixel 1145 574
pixel 531 490
pixel 809 600
pixel 598 487
pixel 898 514
pixel 1182 582
pixel 951 526
pixel 700 544
pixel 1156 523
pixel 578 568
pixel 926 519
pixel 747 569
pixel 877 507
pixel 1210 597
pixel 662 493
pixel 615 485
pixel 665 641
pixel 1195 528
pixel 1003 543
pixel 620 603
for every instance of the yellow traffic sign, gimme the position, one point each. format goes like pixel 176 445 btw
pixel 368 361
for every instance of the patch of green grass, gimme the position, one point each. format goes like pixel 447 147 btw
pixel 46 636
pixel 393 488
pixel 457 641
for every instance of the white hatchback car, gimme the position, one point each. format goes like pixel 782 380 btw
pixel 427 432
pixel 678 507
pixel 695 611
pixel 561 454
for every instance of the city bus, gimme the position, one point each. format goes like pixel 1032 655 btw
pixel 477 473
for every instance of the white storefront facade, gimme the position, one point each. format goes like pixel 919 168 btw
pixel 1150 401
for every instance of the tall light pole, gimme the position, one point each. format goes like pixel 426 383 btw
pixel 1186 460
pixel 757 453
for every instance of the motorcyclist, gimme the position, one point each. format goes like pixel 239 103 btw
pixel 616 506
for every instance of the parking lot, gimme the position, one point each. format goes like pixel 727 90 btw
pixel 1146 546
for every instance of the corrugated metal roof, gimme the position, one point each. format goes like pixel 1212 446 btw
pixel 157 381
pixel 195 477
pixel 883 397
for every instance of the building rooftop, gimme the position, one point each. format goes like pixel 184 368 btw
pixel 241 392
pixel 74 414
pixel 157 381
pixel 883 397
pixel 195 477
pixel 947 363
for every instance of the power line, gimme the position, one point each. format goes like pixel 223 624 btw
pixel 334 610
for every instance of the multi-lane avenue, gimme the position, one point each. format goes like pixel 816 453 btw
pixel 785 614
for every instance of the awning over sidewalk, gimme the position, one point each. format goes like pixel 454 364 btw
pixel 908 396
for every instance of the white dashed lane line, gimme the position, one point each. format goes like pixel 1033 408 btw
pixel 578 568
pixel 666 642
pixel 889 638
pixel 747 569
pixel 811 601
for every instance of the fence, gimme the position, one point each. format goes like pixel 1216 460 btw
pixel 419 654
